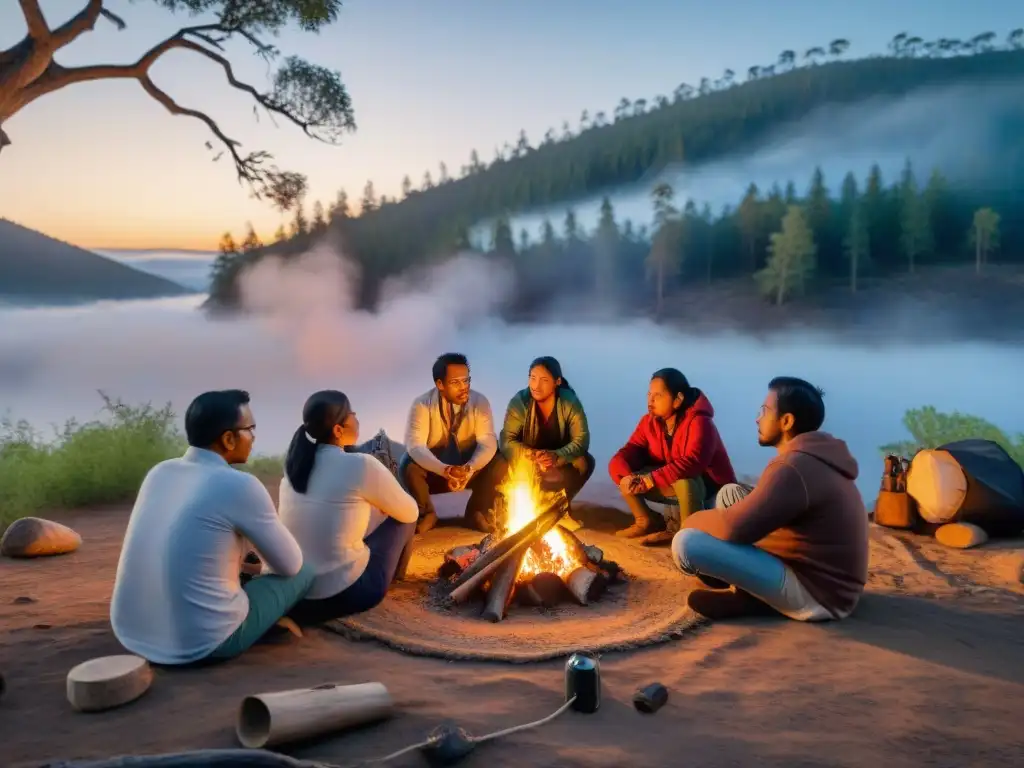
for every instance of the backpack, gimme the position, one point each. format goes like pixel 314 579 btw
pixel 895 508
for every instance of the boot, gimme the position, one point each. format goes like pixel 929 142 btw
pixel 403 562
pixel 727 604
pixel 663 537
pixel 645 522
pixel 427 522
pixel 478 521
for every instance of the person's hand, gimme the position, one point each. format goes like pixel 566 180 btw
pixel 458 477
pixel 456 471
pixel 544 460
pixel 642 484
pixel 626 484
pixel 252 569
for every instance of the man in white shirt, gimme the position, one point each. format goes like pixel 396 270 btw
pixel 177 594
pixel 451 446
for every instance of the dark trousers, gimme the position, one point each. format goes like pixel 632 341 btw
pixel 569 477
pixel 422 484
pixel 385 545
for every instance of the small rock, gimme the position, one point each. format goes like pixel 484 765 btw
pixel 35 537
pixel 23 599
pixel 42 626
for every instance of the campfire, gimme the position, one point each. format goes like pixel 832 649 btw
pixel 531 558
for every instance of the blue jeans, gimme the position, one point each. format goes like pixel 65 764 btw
pixel 270 598
pixel 385 544
pixel 745 567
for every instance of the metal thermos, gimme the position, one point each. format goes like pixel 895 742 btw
pixel 583 680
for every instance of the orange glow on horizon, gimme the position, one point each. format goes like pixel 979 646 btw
pixel 98 238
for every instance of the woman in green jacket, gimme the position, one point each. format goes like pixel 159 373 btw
pixel 545 423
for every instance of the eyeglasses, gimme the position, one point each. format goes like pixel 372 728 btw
pixel 251 429
pixel 459 382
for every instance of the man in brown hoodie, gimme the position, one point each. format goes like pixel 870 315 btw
pixel 797 543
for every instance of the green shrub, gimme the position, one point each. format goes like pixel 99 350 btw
pixel 97 462
pixel 929 428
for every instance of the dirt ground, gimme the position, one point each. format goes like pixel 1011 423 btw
pixel 928 671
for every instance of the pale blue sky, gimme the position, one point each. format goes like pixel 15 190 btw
pixel 102 165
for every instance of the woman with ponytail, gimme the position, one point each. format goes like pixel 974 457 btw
pixel 546 424
pixel 326 499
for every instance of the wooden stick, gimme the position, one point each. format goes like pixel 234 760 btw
pixel 523 540
pixel 586 585
pixel 499 595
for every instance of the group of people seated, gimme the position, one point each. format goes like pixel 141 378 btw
pixel 209 566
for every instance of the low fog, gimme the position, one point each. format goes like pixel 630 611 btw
pixel 301 338
pixel 53 361
pixel 961 130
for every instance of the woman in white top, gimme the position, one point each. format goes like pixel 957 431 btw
pixel 326 499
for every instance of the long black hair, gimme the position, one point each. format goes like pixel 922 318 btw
pixel 322 411
pixel 676 384
pixel 553 367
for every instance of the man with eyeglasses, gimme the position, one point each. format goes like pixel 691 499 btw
pixel 178 593
pixel 451 446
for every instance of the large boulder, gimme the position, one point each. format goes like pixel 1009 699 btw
pixel 35 537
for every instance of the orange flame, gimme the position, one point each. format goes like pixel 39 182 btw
pixel 523 502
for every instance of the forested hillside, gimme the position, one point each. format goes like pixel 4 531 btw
pixel 832 230
pixel 37 268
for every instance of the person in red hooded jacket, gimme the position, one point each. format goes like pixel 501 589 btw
pixel 675 456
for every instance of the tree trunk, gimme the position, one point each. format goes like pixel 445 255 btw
pixel 782 284
pixel 977 251
pixel 711 256
pixel 853 270
pixel 661 287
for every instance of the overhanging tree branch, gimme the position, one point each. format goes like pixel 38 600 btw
pixel 38 29
pixel 82 22
pixel 310 97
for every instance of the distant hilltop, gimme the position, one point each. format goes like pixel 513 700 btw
pixel 35 268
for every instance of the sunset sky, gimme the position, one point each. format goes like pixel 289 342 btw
pixel 103 166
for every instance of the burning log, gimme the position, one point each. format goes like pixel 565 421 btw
pixel 549 588
pixel 499 594
pixel 486 564
pixel 589 556
pixel 586 584
pixel 459 559
pixel 576 548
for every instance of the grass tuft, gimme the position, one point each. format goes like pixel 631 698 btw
pixel 96 462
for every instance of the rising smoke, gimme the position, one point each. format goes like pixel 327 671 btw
pixel 302 333
pixel 308 302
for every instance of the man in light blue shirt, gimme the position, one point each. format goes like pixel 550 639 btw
pixel 177 594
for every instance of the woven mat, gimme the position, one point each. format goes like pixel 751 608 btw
pixel 648 608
